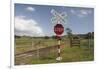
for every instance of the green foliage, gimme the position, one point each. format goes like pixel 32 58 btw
pixel 69 33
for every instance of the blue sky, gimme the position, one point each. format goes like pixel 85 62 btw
pixel 35 20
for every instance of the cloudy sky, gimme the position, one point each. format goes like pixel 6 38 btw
pixel 35 20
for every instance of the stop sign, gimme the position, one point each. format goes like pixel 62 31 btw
pixel 58 29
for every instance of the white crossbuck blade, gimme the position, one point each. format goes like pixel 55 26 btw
pixel 58 17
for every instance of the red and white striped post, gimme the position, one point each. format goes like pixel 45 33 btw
pixel 59 29
pixel 59 58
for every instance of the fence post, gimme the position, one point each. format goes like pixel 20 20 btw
pixel 89 40
pixel 70 39
pixel 38 52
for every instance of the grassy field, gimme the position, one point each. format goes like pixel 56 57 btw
pixel 26 44
pixel 74 54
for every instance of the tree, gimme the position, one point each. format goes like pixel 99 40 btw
pixel 46 37
pixel 17 36
pixel 69 32
pixel 88 35
pixel 54 37
pixel 92 35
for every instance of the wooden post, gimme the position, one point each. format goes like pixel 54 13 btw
pixel 89 40
pixel 37 53
pixel 70 39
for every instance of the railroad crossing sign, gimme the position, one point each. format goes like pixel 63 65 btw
pixel 58 17
pixel 58 29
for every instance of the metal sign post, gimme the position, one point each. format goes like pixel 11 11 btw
pixel 58 18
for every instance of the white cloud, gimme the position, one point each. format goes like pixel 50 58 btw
pixel 81 13
pixel 30 9
pixel 28 27
pixel 86 12
pixel 72 11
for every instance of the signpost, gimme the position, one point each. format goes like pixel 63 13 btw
pixel 58 19
pixel 59 29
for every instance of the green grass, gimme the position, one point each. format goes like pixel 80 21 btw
pixel 25 44
pixel 77 54
pixel 74 54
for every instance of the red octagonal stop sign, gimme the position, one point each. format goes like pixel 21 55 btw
pixel 58 29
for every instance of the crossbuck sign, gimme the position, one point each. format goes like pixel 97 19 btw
pixel 58 17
